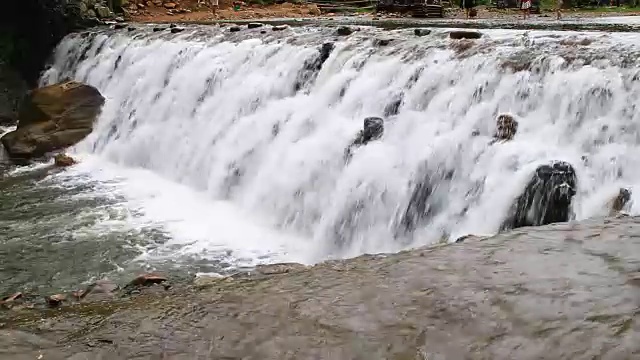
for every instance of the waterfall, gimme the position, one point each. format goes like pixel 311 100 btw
pixel 259 122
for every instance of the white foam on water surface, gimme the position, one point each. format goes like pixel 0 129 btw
pixel 195 224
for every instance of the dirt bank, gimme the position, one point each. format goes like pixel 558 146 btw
pixel 567 291
pixel 200 11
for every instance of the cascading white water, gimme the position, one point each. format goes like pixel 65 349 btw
pixel 239 120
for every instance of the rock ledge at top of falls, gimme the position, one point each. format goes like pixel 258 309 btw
pixel 52 118
pixel 564 291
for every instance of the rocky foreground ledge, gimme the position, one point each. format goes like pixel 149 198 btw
pixel 568 291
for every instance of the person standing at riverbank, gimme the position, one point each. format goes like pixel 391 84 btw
pixel 525 5
pixel 467 5
pixel 558 9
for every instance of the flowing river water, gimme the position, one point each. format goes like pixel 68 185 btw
pixel 217 151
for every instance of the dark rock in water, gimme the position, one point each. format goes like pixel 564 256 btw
pixel 373 129
pixel 52 118
pixel 173 26
pixel 421 206
pixel 313 66
pixel 176 30
pixel 234 29
pixel 157 29
pixel 475 133
pixel 280 28
pixel 147 280
pixel 254 25
pixel 131 28
pixel 620 202
pixel 467 238
pixel 263 31
pixel 465 34
pixel 421 32
pixel 119 26
pixel 55 300
pixel 344 31
pixel 546 199
pixel 382 42
pixel 506 128
pixel 394 106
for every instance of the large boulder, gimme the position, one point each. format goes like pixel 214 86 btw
pixel 53 117
pixel 546 199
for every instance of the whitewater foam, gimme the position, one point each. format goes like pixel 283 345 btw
pixel 209 137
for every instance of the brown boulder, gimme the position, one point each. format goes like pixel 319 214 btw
pixel 52 118
pixel 55 300
pixel 64 160
pixel 170 5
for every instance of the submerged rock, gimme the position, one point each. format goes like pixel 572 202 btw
pixel 465 34
pixel 421 32
pixel 234 29
pixel 546 199
pixel 344 31
pixel 469 237
pixel 421 205
pixel 280 28
pixel 147 280
pixel 312 66
pixel 254 25
pixel 382 42
pixel 176 30
pixel 373 129
pixel 620 202
pixel 52 118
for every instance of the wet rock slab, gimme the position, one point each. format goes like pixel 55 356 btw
pixel 567 291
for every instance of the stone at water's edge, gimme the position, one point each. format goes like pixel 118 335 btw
pixel 53 118
pixel 567 291
pixel 63 160
pixel 465 34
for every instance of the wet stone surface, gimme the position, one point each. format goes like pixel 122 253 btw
pixel 555 292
